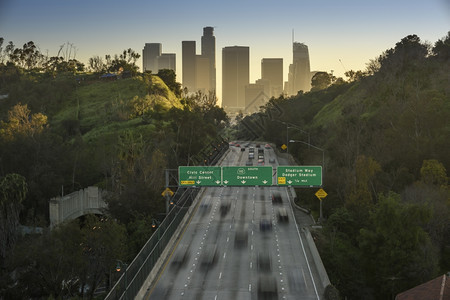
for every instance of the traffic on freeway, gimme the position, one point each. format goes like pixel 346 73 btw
pixel 240 243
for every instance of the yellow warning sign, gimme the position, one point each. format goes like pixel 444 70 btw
pixel 321 194
pixel 284 147
pixel 166 192
pixel 281 180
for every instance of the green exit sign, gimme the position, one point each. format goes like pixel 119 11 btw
pixel 299 175
pixel 243 176
pixel 199 176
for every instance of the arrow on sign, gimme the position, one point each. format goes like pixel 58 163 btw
pixel 290 181
pixel 264 181
pixel 217 181
pixel 243 181
pixel 198 182
pixel 226 182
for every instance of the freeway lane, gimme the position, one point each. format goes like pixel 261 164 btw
pixel 225 254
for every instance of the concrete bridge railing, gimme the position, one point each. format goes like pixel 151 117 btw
pixel 86 201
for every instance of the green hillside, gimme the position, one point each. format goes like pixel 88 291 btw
pixel 105 107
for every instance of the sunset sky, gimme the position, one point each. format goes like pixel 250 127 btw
pixel 341 35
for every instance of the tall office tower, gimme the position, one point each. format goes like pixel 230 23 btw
pixel 189 63
pixel 299 70
pixel 272 70
pixel 167 61
pixel 209 51
pixel 150 56
pixel 235 76
pixel 202 78
pixel 256 95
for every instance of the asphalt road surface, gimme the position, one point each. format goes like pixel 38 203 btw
pixel 239 245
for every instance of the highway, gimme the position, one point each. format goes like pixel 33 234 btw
pixel 236 246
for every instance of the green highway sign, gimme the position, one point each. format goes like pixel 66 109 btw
pixel 299 175
pixel 243 176
pixel 199 176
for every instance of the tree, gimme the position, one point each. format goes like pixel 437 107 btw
pixel 398 253
pixel 169 78
pixel 442 48
pixel 13 190
pixel 22 122
pixel 433 172
pixel 126 61
pixel 96 64
pixel 320 81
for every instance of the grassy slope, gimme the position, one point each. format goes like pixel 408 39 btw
pixel 332 112
pixel 102 107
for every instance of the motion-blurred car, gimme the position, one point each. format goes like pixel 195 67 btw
pixel 209 255
pixel 225 206
pixel 267 146
pixel 276 198
pixel 242 149
pixel 205 206
pixel 282 215
pixel 265 224
pixel 241 236
pixel 264 262
pixel 267 286
pixel 181 256
pixel 248 163
pixel 272 160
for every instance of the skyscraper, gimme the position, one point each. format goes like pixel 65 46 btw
pixel 202 78
pixel 188 63
pixel 209 51
pixel 272 70
pixel 299 77
pixel 167 61
pixel 150 55
pixel 235 76
pixel 199 71
pixel 153 60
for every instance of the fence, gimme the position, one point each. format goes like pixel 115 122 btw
pixel 131 281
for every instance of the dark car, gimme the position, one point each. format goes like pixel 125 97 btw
pixel 264 262
pixel 242 149
pixel 267 286
pixel 276 198
pixel 265 224
pixel 224 207
pixel 241 236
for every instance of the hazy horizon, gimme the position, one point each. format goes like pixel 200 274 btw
pixel 340 36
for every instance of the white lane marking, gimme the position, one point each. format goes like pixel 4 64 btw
pixel 224 255
pixel 220 275
pixel 250 287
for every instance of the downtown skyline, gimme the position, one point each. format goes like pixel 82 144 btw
pixel 340 36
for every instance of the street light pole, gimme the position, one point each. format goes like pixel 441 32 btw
pixel 323 151
pixel 323 167
pixel 120 265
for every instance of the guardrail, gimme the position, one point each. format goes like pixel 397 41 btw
pixel 129 284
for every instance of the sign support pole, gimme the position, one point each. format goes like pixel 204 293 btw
pixel 167 196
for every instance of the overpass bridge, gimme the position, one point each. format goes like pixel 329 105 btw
pixel 69 207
